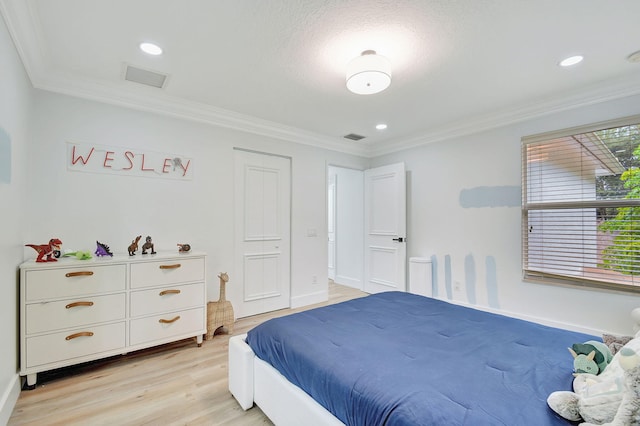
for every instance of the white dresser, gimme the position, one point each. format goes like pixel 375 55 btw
pixel 73 311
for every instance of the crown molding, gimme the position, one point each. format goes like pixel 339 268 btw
pixel 19 16
pixel 22 22
pixel 158 102
pixel 616 89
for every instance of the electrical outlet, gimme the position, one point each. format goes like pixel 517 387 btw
pixel 456 286
pixel 314 280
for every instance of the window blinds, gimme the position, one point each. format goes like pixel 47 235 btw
pixel 581 206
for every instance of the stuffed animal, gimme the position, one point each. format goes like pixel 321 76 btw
pixel 590 357
pixel 610 398
pixel 615 343
pixel 628 413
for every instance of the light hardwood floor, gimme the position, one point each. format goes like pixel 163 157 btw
pixel 175 384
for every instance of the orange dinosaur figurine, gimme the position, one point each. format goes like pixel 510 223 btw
pixel 46 250
pixel 133 247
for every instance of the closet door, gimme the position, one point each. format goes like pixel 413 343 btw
pixel 262 231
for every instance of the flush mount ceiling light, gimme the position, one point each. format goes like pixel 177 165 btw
pixel 381 126
pixel 571 61
pixel 634 57
pixel 369 73
pixel 151 49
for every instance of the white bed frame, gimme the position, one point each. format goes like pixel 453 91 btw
pixel 252 380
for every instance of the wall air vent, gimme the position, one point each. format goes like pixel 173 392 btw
pixel 150 78
pixel 354 137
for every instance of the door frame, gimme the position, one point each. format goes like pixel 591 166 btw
pixel 361 279
pixel 332 184
pixel 350 277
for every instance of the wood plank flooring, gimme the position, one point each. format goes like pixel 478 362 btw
pixel 175 384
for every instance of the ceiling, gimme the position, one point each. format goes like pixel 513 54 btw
pixel 277 67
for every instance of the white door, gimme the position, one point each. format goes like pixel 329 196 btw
pixel 385 229
pixel 262 231
pixel 331 222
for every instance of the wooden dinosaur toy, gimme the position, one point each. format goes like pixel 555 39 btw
pixel 133 247
pixel 148 245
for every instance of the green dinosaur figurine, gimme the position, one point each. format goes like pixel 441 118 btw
pixel 81 255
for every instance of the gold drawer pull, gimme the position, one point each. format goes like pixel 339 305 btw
pixel 165 292
pixel 74 304
pixel 165 321
pixel 82 333
pixel 78 274
pixel 174 266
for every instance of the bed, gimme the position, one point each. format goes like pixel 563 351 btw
pixel 397 358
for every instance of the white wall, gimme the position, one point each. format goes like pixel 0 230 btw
pixel 477 248
pixel 15 107
pixel 349 226
pixel 85 207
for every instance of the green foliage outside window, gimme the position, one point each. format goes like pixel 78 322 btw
pixel 623 255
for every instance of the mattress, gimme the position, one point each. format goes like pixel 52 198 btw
pixel 397 358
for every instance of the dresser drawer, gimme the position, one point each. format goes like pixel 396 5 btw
pixel 49 316
pixel 64 346
pixel 171 271
pixel 158 300
pixel 76 281
pixel 158 327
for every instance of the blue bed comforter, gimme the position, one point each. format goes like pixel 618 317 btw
pixel 401 359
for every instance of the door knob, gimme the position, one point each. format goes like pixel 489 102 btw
pixel 400 239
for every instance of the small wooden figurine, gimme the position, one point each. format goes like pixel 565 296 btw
pixel 133 247
pixel 148 245
pixel 184 247
pixel 220 313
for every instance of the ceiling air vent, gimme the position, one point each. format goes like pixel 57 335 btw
pixel 354 137
pixel 150 78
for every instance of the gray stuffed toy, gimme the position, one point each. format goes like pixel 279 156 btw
pixel 611 398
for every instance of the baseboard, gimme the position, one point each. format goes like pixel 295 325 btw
pixel 9 399
pixel 348 281
pixel 309 299
pixel 530 318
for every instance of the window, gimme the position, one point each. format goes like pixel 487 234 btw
pixel 581 206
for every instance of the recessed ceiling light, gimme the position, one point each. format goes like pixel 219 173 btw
pixel 151 49
pixel 381 126
pixel 571 61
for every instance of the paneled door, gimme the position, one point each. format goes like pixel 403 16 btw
pixel 385 228
pixel 262 231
